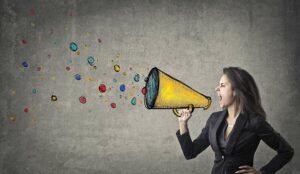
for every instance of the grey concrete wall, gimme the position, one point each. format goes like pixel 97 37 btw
pixel 190 40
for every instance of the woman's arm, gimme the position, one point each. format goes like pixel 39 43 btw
pixel 192 148
pixel 273 139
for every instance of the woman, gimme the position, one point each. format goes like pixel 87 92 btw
pixel 235 132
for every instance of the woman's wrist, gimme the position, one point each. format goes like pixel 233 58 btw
pixel 183 127
pixel 182 123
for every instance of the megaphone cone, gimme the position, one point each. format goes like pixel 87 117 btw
pixel 166 92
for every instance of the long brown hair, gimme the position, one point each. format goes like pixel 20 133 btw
pixel 247 94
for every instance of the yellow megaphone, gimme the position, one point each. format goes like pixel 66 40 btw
pixel 166 92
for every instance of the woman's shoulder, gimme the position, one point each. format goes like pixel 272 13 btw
pixel 255 120
pixel 255 117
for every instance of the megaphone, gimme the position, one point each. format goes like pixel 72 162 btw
pixel 166 92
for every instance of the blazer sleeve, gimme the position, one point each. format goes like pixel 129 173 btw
pixel 192 148
pixel 273 139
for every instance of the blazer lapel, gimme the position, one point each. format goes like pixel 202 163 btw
pixel 219 120
pixel 237 129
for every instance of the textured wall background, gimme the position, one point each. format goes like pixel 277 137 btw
pixel 190 40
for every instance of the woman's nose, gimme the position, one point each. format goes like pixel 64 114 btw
pixel 217 88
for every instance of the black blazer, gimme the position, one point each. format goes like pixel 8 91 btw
pixel 246 134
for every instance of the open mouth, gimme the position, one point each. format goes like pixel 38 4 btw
pixel 220 97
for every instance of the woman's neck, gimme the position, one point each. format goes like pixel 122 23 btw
pixel 232 111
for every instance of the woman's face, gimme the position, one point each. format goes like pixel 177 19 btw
pixel 225 92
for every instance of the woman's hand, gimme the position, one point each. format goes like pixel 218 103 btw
pixel 185 115
pixel 248 170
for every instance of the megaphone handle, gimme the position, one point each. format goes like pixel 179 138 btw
pixel 190 107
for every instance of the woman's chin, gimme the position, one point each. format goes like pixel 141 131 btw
pixel 222 106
